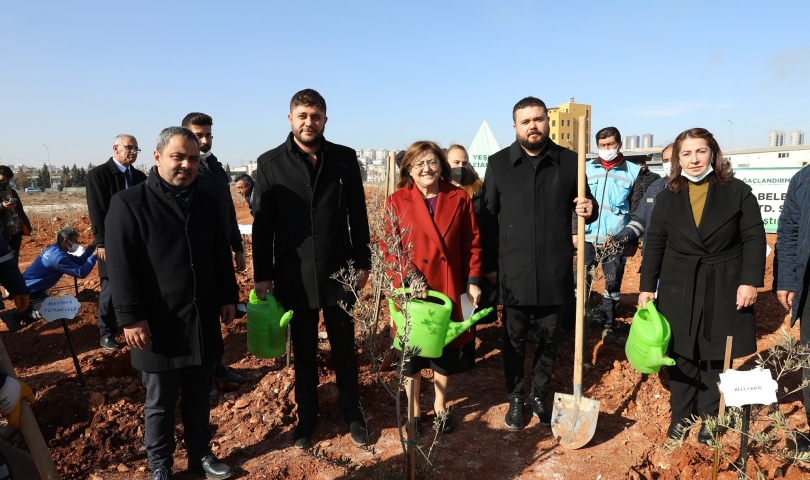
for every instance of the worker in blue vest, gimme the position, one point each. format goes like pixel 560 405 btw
pixel 611 180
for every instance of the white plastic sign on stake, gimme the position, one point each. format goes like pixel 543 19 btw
pixel 61 307
pixel 246 229
pixel 751 387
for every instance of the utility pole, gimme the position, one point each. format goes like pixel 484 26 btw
pixel 48 150
pixel 730 130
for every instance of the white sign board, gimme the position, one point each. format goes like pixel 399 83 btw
pixel 62 307
pixel 246 229
pixel 482 146
pixel 770 186
pixel 752 387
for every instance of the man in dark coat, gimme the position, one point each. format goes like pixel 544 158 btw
pixel 790 265
pixel 172 278
pixel 531 192
pixel 14 222
pixel 244 186
pixel 310 221
pixel 211 178
pixel 103 182
pixel 643 181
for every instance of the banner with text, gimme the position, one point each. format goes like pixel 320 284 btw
pixel 482 146
pixel 770 186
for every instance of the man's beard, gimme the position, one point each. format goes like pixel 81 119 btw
pixel 205 148
pixel 309 143
pixel 525 143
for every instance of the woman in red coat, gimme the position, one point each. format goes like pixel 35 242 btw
pixel 439 224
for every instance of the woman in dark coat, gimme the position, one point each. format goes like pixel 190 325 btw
pixel 437 225
pixel 706 246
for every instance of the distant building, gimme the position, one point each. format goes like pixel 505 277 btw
pixel 776 138
pixel 796 138
pixel 380 154
pixel 647 140
pixel 770 157
pixel 564 124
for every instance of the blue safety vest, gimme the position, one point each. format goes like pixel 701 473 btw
pixel 613 189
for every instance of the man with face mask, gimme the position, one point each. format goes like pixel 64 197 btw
pixel 466 178
pixel 531 192
pixel 310 221
pixel 643 182
pixel 611 179
pixel 641 218
pixel 47 269
pixel 14 222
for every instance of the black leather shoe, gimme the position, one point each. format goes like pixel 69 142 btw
pixel 677 431
pixel 228 376
pixel 211 467
pixel 540 410
pixel 705 436
pixel 109 344
pixel 302 436
pixel 446 425
pixel 803 446
pixel 514 416
pixel 160 473
pixel 10 319
pixel 358 433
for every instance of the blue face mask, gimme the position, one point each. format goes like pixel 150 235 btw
pixel 696 179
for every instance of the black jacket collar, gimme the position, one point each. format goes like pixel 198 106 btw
pixel 516 152
pixel 113 167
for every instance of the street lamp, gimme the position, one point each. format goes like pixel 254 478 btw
pixel 48 150
pixel 730 129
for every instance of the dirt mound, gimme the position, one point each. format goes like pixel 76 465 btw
pixel 97 431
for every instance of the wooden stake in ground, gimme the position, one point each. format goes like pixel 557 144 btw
pixel 573 418
pixel 30 429
pixel 726 366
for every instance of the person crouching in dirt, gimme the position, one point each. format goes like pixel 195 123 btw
pixel 46 271
pixel 717 256
pixel 12 280
pixel 442 231
pixel 172 278
pixel 790 266
pixel 466 178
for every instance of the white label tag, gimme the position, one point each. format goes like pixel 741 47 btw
pixel 752 387
pixel 62 307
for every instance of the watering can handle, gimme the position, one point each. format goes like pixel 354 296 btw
pixel 659 329
pixel 430 293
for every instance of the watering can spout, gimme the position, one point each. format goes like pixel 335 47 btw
pixel 457 328
pixel 285 319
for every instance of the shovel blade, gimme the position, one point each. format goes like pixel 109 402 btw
pixel 573 420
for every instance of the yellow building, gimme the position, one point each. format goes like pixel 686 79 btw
pixel 564 124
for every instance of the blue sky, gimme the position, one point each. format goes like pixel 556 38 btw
pixel 75 74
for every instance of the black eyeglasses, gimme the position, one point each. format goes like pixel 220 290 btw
pixel 131 148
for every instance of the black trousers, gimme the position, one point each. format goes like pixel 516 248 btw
pixel 613 270
pixel 304 335
pixel 14 244
pixel 162 391
pixel 107 323
pixel 517 321
pixel 691 376
pixel 804 338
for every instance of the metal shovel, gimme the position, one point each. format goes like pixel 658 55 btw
pixel 574 417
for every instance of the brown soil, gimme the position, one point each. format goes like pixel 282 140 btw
pixel 96 431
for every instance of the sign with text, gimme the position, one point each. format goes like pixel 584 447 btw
pixel 482 146
pixel 246 229
pixel 752 387
pixel 57 308
pixel 770 186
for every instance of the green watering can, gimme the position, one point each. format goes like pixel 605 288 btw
pixel 648 340
pixel 266 326
pixel 431 327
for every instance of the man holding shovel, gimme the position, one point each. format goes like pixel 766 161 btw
pixel 531 192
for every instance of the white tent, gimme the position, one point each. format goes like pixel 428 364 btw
pixel 482 146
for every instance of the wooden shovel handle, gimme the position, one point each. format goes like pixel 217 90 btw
pixel 580 312
pixel 30 429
